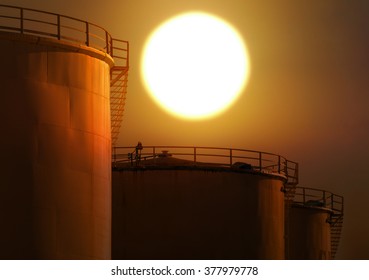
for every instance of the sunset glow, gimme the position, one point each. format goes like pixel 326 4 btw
pixel 195 65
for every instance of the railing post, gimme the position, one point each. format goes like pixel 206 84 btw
pixel 87 35
pixel 194 155
pixel 297 172
pixel 285 169
pixel 21 20
pixel 107 41
pixel 230 158
pixel 127 61
pixel 332 201
pixel 259 161
pixel 58 26
pixel 279 164
pixel 111 46
pixel 303 195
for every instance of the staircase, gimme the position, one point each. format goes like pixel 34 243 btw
pixel 289 192
pixel 336 222
pixel 118 86
pixel 291 170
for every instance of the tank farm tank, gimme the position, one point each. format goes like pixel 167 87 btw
pixel 63 83
pixel 172 203
pixel 314 225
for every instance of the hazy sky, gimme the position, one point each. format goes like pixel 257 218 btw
pixel 307 97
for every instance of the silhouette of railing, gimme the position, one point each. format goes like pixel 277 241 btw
pixel 310 197
pixel 68 29
pixel 319 198
pixel 52 25
pixel 212 156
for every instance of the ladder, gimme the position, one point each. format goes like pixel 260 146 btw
pixel 289 192
pixel 291 170
pixel 118 85
pixel 336 222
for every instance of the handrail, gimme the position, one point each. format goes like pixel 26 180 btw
pixel 319 198
pixel 83 32
pixel 223 157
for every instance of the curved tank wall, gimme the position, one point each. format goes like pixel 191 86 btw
pixel 309 236
pixel 196 214
pixel 55 194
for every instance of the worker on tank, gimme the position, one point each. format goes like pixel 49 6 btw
pixel 138 149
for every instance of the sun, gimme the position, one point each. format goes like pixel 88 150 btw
pixel 195 65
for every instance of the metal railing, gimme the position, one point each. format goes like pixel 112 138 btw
pixel 217 157
pixel 60 27
pixel 318 198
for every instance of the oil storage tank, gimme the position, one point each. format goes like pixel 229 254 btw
pixel 198 203
pixel 55 190
pixel 314 224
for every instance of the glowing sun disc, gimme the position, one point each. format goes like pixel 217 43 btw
pixel 195 65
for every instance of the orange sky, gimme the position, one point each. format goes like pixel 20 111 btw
pixel 306 98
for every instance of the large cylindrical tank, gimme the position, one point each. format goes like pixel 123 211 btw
pixel 309 234
pixel 171 210
pixel 314 220
pixel 55 190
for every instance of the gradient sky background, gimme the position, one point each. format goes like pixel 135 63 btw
pixel 307 97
